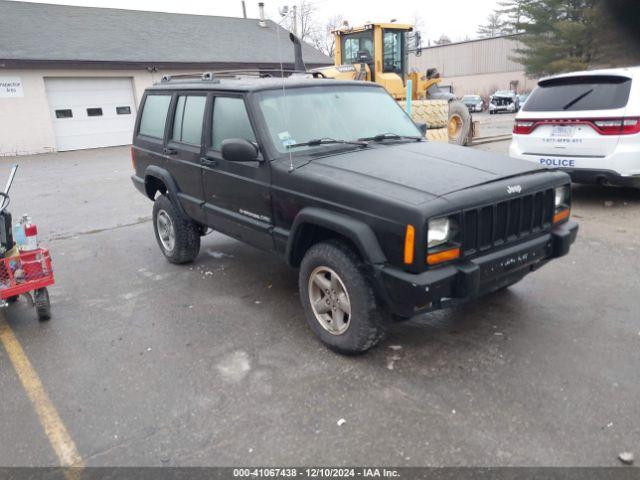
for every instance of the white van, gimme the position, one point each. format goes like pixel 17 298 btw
pixel 586 123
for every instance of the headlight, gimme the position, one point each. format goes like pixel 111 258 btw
pixel 439 232
pixel 562 197
pixel 561 200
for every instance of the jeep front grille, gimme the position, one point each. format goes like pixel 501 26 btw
pixel 505 222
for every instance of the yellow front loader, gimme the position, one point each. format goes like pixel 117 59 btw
pixel 378 52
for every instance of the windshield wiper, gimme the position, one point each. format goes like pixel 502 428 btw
pixel 577 99
pixel 384 136
pixel 327 141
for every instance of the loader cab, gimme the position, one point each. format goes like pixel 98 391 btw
pixel 358 48
pixel 384 47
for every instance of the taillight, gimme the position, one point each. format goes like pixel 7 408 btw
pixel 617 126
pixel 133 158
pixel 523 127
pixel 604 126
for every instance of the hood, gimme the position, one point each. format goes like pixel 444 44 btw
pixel 408 171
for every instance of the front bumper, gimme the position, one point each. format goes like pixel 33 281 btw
pixel 408 294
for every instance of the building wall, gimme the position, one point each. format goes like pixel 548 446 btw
pixel 478 66
pixel 26 122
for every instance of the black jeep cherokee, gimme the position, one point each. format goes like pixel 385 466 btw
pixel 336 178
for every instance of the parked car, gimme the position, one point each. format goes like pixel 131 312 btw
pixel 521 99
pixel 586 123
pixel 503 101
pixel 473 102
pixel 336 179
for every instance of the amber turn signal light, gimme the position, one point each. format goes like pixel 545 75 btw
pixel 443 256
pixel 561 215
pixel 409 243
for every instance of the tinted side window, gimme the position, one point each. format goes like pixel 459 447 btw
pixel 579 93
pixel 230 120
pixel 187 123
pixel 154 115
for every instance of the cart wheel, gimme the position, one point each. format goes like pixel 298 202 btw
pixel 43 307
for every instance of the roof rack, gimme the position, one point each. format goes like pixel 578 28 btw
pixel 204 76
pixel 215 75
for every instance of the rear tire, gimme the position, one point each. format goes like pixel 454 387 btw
pixel 178 236
pixel 42 304
pixel 338 300
pixel 459 124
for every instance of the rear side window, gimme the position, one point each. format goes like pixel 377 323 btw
pixel 154 115
pixel 187 122
pixel 230 120
pixel 579 93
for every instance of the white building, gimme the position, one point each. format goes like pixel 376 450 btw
pixel 72 77
pixel 479 66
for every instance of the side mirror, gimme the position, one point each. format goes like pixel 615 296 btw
pixel 422 127
pixel 239 150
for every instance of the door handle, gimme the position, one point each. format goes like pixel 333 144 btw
pixel 169 151
pixel 208 162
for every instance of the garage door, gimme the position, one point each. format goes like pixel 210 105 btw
pixel 91 112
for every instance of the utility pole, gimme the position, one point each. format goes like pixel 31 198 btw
pixel 244 9
pixel 295 20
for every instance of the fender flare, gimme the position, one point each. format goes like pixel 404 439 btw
pixel 166 178
pixel 357 231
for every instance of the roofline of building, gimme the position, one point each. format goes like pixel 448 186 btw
pixel 135 10
pixel 149 66
pixel 483 39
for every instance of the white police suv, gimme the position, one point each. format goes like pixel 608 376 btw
pixel 586 123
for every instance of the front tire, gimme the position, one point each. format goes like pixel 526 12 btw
pixel 338 301
pixel 178 236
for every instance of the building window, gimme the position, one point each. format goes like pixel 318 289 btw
pixel 154 115
pixel 94 112
pixel 187 123
pixel 123 110
pixel 67 113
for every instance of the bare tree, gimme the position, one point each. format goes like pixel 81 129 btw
pixel 324 39
pixel 443 40
pixel 305 13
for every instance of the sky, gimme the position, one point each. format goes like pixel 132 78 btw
pixel 458 19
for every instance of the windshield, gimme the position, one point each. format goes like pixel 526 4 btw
pixel 470 98
pixel 339 113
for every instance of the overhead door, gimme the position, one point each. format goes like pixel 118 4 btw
pixel 91 112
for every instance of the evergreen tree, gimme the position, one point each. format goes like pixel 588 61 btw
pixel 565 35
pixel 559 35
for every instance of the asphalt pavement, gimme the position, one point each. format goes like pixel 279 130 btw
pixel 152 364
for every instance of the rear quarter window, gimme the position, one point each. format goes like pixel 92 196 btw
pixel 154 115
pixel 579 93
